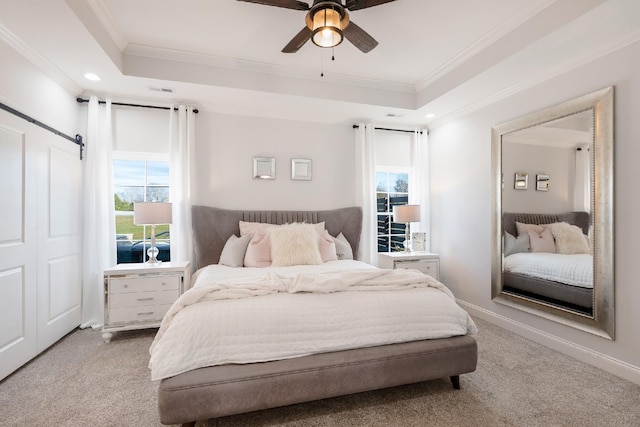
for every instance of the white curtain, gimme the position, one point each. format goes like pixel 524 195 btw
pixel 365 191
pixel 182 134
pixel 99 246
pixel 582 182
pixel 419 182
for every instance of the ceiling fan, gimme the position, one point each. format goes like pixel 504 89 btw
pixel 327 23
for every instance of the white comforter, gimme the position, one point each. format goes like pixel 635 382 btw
pixel 255 315
pixel 576 270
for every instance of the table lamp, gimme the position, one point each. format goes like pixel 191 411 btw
pixel 152 213
pixel 406 214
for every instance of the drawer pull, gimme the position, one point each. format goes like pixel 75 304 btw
pixel 148 313
pixel 145 299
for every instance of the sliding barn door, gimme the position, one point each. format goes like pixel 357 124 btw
pixel 40 288
pixel 18 252
pixel 59 224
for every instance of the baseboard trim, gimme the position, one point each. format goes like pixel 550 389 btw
pixel 584 354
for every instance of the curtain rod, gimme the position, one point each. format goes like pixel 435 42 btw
pixel 392 130
pixel 77 140
pixel 80 100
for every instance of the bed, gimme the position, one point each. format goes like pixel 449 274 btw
pixel 556 278
pixel 317 360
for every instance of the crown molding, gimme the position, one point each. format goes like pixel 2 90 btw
pixel 101 12
pixel 187 57
pixel 620 42
pixel 482 43
pixel 38 60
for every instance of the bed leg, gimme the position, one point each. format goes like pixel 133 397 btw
pixel 191 424
pixel 455 380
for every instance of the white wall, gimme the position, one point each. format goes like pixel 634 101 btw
pixel 30 91
pixel 227 144
pixel 461 209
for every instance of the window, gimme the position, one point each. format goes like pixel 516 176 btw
pixel 139 180
pixel 392 189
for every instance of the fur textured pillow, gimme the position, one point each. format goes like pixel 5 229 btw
pixel 569 238
pixel 295 244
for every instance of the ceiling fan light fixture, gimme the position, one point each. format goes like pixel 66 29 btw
pixel 327 27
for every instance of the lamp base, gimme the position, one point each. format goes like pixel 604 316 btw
pixel 152 253
pixel 407 242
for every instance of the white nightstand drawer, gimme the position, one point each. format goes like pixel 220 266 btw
pixel 138 314
pixel 135 299
pixel 427 267
pixel 144 284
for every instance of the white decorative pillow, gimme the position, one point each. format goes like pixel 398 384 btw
pixel 522 228
pixel 343 247
pixel 295 244
pixel 569 238
pixel 513 245
pixel 327 247
pixel 258 252
pixel 234 250
pixel 251 228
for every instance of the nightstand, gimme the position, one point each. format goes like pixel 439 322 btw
pixel 137 296
pixel 425 262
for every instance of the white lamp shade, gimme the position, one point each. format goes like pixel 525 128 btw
pixel 406 213
pixel 151 213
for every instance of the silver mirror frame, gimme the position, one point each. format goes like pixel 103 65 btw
pixel 602 321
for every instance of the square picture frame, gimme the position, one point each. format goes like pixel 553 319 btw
pixel 264 168
pixel 301 169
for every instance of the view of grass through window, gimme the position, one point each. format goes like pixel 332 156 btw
pixel 392 189
pixel 139 181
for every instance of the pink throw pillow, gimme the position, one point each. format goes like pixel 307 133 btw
pixel 542 242
pixel 258 252
pixel 327 247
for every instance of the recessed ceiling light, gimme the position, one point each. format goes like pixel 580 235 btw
pixel 92 77
pixel 429 116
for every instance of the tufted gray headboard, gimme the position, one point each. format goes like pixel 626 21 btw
pixel 213 226
pixel 581 219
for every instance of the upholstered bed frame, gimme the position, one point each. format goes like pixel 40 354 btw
pixel 219 391
pixel 575 296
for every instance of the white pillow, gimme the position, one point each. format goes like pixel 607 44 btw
pixel 343 247
pixel 251 228
pixel 569 238
pixel 233 252
pixel 294 244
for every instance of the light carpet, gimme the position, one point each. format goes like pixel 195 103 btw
pixel 81 381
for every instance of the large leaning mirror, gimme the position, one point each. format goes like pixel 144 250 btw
pixel 552 240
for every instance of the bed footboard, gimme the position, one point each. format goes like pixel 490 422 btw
pixel 233 389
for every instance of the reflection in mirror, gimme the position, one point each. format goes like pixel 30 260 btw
pixel 552 244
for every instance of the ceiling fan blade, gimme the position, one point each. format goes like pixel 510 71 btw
pixel 298 41
pixel 287 4
pixel 359 37
pixel 363 4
